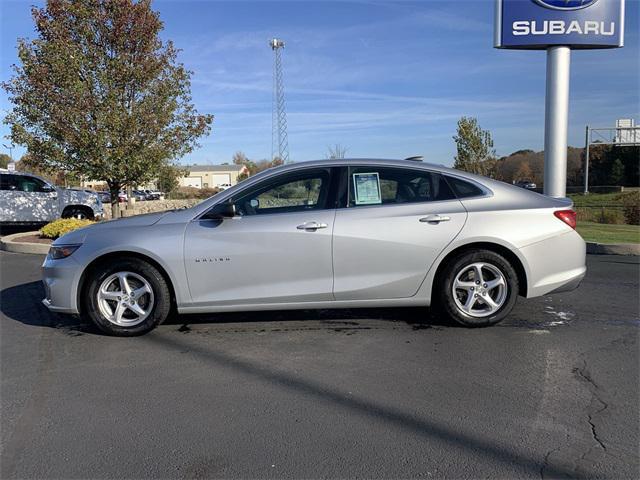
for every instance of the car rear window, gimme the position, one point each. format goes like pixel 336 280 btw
pixel 464 189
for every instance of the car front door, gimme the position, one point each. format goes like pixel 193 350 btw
pixel 395 224
pixel 276 249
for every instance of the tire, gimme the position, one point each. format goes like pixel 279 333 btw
pixel 494 293
pixel 77 212
pixel 121 311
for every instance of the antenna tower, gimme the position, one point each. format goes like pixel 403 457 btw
pixel 279 139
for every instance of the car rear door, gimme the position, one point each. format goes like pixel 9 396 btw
pixel 393 227
pixel 277 249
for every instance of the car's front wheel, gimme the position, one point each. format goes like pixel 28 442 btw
pixel 126 297
pixel 478 288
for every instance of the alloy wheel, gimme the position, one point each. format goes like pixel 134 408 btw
pixel 479 289
pixel 125 299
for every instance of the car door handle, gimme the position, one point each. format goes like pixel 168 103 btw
pixel 313 226
pixel 435 219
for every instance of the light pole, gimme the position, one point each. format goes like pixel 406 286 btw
pixel 10 148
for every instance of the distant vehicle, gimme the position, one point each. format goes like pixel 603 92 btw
pixel 324 234
pixel 224 186
pixel 139 195
pixel 123 197
pixel 529 185
pixel 29 199
pixel 152 195
pixel 105 197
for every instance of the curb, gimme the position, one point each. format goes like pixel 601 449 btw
pixel 12 243
pixel 613 248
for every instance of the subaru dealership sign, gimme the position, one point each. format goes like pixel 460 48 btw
pixel 539 24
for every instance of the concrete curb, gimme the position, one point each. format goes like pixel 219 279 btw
pixel 613 248
pixel 12 243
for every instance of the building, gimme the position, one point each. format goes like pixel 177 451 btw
pixel 212 176
pixel 200 176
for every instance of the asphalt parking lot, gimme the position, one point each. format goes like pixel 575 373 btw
pixel 552 392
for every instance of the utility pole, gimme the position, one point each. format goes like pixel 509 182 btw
pixel 279 138
pixel 587 143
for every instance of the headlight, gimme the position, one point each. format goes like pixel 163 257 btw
pixel 62 251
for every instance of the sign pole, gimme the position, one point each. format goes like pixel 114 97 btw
pixel 556 121
pixel 587 143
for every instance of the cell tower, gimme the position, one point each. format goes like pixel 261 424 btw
pixel 279 139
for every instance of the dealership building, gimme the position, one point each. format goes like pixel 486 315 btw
pixel 211 176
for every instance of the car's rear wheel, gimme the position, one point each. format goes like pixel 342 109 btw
pixel 478 288
pixel 127 297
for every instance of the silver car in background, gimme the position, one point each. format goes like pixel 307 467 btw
pixel 29 199
pixel 324 234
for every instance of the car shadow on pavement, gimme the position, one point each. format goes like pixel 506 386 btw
pixel 428 429
pixel 417 318
pixel 23 303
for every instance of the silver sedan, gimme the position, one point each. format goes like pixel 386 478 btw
pixel 324 234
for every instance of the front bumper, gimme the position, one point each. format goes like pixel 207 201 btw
pixel 60 279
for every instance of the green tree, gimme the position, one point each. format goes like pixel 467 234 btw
pixel 169 177
pixel 616 175
pixel 475 153
pixel 4 160
pixel 98 93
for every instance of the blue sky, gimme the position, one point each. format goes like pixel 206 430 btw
pixel 385 79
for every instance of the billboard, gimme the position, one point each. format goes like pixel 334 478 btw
pixel 539 24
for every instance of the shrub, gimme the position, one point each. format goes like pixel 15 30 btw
pixel 59 227
pixel 631 206
pixel 187 193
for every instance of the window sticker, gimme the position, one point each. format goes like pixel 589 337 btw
pixel 367 188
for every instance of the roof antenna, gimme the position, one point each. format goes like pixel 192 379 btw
pixel 415 158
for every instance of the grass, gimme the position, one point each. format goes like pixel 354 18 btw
pixel 602 233
pixel 596 199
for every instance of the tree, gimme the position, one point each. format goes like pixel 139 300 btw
pixel 616 176
pixel 524 172
pixel 336 152
pixel 100 95
pixel 475 153
pixel 169 177
pixel 239 158
pixel 4 160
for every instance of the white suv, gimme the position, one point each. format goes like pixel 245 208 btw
pixel 28 199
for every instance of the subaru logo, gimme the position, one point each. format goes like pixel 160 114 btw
pixel 565 4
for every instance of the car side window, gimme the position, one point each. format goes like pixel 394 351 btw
pixel 8 182
pixel 296 192
pixel 464 189
pixel 29 184
pixel 390 185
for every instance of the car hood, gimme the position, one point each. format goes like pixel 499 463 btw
pixel 79 236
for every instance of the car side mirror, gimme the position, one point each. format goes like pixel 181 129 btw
pixel 48 189
pixel 221 211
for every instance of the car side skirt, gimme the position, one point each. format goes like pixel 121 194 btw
pixel 378 303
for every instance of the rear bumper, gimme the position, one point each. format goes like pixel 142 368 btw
pixel 557 264
pixel 570 285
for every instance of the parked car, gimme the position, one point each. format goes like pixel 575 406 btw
pixel 123 197
pixel 529 185
pixel 105 197
pixel 152 195
pixel 324 234
pixel 29 199
pixel 139 195
pixel 224 186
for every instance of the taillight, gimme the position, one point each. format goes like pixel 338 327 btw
pixel 567 216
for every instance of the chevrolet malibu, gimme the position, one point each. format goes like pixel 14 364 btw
pixel 324 234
